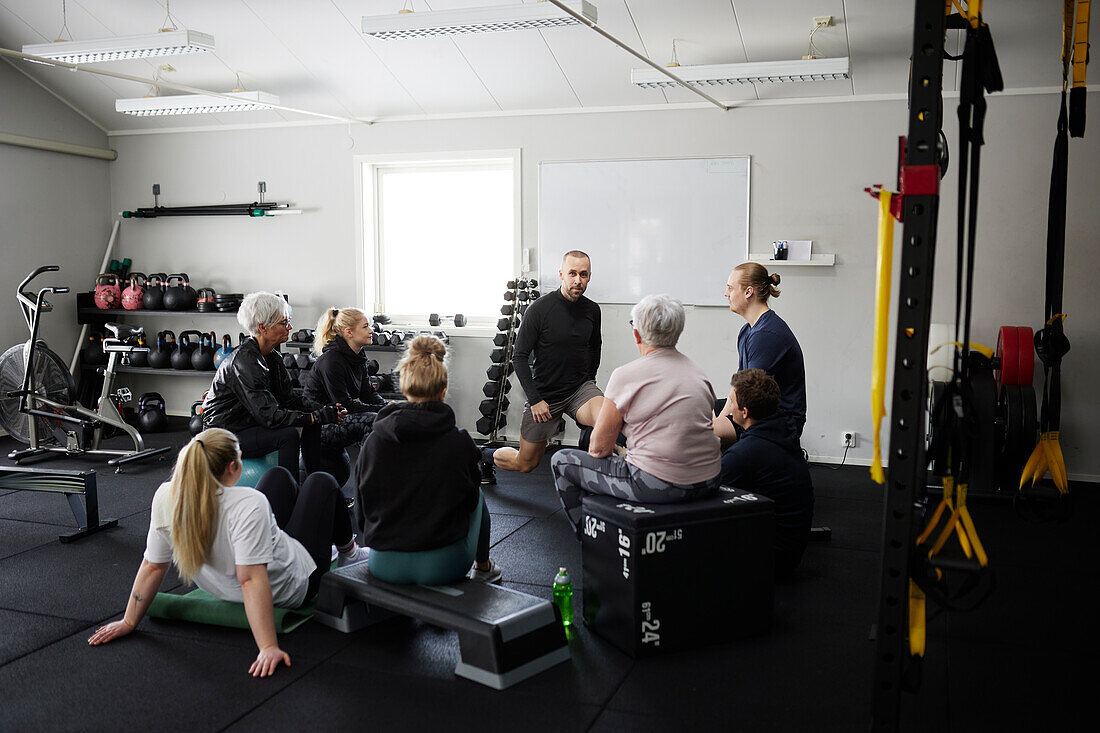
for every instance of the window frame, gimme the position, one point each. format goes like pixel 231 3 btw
pixel 368 192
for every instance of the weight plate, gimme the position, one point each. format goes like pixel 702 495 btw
pixel 1008 352
pixel 1025 370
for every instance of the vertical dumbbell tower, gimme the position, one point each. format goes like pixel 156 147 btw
pixel 494 408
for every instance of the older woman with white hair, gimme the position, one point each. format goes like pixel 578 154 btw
pixel 663 403
pixel 251 396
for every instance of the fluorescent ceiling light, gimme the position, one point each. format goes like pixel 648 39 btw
pixel 195 104
pixel 171 43
pixel 519 17
pixel 762 72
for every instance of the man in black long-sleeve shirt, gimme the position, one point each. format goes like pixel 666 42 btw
pixel 557 353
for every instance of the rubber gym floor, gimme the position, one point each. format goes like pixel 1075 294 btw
pixel 1014 664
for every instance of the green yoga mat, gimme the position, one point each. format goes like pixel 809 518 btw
pixel 200 607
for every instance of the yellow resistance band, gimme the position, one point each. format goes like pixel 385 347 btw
pixel 882 326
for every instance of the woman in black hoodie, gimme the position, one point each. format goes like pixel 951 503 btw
pixel 340 376
pixel 417 480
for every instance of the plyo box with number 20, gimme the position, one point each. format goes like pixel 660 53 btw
pixel 672 576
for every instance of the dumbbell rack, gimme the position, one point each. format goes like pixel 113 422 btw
pixel 516 299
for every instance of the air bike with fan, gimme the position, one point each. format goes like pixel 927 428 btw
pixel 38 404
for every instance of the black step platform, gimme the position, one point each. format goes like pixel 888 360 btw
pixel 504 636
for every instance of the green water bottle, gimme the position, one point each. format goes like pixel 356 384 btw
pixel 563 596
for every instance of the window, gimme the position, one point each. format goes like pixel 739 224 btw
pixel 441 233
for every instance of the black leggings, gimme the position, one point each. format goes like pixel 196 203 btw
pixel 258 441
pixel 314 513
pixel 483 537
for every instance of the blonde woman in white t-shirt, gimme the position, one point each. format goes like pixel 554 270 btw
pixel 663 403
pixel 262 547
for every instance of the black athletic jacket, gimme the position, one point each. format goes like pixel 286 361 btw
pixel 251 390
pixel 558 347
pixel 340 375
pixel 416 478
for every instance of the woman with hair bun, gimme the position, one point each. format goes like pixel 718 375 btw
pixel 764 342
pixel 417 480
pixel 340 375
pixel 262 547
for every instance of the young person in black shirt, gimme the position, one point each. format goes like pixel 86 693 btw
pixel 767 460
pixel 417 483
pixel 557 353
pixel 340 376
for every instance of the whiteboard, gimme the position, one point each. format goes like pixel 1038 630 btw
pixel 675 226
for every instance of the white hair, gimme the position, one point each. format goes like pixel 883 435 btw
pixel 261 307
pixel 659 320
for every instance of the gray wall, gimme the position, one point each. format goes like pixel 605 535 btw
pixel 53 208
pixel 810 164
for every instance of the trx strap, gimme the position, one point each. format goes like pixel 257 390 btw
pixel 953 417
pixel 1051 343
pixel 1077 33
pixel 882 327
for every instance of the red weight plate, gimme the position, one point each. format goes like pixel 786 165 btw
pixel 1025 370
pixel 1008 354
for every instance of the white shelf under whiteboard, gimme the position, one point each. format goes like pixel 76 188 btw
pixel 827 260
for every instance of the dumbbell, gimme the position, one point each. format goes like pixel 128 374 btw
pixel 372 366
pixel 397 338
pixel 496 371
pixel 303 360
pixel 380 318
pixel 488 407
pixel 288 361
pixel 492 389
pixel 501 339
pixel 485 425
pixel 522 296
pixel 523 308
pixel 513 284
pixel 534 294
pixel 442 336
pixel 504 324
pixel 507 309
pixel 497 356
pixel 458 319
pixel 295 374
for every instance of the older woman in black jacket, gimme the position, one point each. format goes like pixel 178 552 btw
pixel 340 375
pixel 251 394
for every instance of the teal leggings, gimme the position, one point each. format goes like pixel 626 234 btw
pixel 440 566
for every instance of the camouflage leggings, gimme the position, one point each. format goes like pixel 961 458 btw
pixel 577 473
pixel 351 431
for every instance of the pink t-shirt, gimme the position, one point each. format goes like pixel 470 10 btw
pixel 667 403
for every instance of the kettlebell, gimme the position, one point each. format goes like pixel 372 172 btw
pixel 107 292
pixel 140 358
pixel 224 351
pixel 179 297
pixel 181 357
pixel 202 358
pixel 194 425
pixel 151 415
pixel 134 294
pixel 160 356
pixel 92 352
pixel 153 299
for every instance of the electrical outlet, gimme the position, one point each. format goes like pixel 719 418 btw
pixel 849 438
pixel 823 21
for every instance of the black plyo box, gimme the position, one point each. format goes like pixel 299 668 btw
pixel 672 576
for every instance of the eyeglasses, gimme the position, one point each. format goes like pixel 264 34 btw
pixel 285 323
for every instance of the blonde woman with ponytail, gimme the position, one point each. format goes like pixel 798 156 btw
pixel 340 376
pixel 262 547
pixel 418 478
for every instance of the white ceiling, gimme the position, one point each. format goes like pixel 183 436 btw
pixel 312 54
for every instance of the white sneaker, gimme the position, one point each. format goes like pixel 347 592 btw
pixel 360 554
pixel 493 575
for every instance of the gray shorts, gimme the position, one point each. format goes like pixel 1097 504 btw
pixel 541 432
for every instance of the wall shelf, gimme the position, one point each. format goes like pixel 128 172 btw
pixel 822 260
pixel 160 372
pixel 303 345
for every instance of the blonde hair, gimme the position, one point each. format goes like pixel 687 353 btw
pixel 423 373
pixel 194 493
pixel 756 276
pixel 332 324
